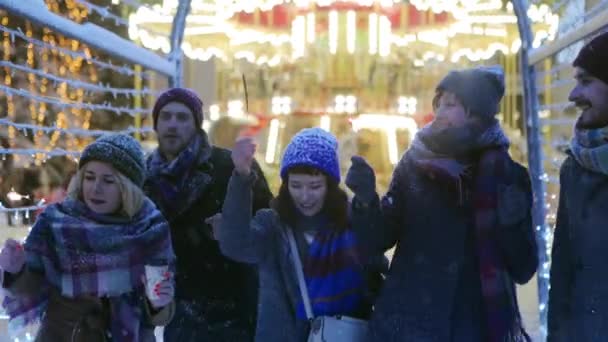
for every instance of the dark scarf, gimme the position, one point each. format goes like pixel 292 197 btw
pixel 333 273
pixel 179 183
pixel 82 253
pixel 431 149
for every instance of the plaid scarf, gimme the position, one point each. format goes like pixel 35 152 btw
pixel 177 184
pixel 82 253
pixel 497 289
pixel 590 148
pixel 333 273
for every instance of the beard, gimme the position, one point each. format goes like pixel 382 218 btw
pixel 170 148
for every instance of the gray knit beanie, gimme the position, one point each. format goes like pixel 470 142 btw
pixel 122 151
pixel 480 89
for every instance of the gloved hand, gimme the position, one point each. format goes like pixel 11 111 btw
pixel 163 292
pixel 361 180
pixel 513 205
pixel 12 257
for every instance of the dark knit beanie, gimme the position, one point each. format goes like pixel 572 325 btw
pixel 312 147
pixel 122 151
pixel 182 95
pixel 479 89
pixel 593 57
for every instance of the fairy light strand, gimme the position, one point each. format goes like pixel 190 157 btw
pixel 79 84
pixel 82 105
pixel 72 131
pixel 125 70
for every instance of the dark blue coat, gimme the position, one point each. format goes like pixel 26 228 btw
pixel 578 299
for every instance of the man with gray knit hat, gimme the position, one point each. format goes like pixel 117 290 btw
pixel 187 178
pixel 578 298
pixel 459 211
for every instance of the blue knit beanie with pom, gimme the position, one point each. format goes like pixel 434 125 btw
pixel 121 151
pixel 312 147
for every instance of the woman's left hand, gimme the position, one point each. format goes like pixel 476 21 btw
pixel 163 292
pixel 513 205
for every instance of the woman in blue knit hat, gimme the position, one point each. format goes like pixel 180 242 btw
pixel 458 210
pixel 306 238
pixel 97 266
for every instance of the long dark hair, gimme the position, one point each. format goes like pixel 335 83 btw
pixel 335 205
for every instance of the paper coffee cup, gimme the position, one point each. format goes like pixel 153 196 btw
pixel 154 275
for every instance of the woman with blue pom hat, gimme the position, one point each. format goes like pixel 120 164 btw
pixel 310 260
pixel 458 210
pixel 85 270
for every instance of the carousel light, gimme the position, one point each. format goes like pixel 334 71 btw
pixel 515 46
pixel 214 112
pixel 393 150
pixel 302 3
pixel 351 31
pixel 384 48
pixel 386 123
pixel 345 104
pixel 333 32
pixel 298 36
pixel 379 27
pixel 273 137
pixel 407 105
pixel 373 33
pixel 235 108
pixel 281 105
pixel 206 126
pixel 325 123
pixel 350 106
pixel 403 41
pixel 310 27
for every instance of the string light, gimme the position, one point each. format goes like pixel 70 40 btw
pixel 83 132
pixel 75 83
pixel 122 70
pixel 59 103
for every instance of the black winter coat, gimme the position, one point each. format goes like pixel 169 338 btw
pixel 227 290
pixel 578 298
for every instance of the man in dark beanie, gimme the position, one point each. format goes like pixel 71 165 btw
pixel 458 210
pixel 578 298
pixel 187 179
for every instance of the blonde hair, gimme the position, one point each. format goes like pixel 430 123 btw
pixel 131 195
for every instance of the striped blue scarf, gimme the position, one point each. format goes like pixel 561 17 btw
pixel 334 274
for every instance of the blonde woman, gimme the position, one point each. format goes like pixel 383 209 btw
pixel 81 271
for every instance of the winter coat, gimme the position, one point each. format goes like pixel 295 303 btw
pixel 432 291
pixel 578 298
pixel 263 241
pixel 214 286
pixel 84 319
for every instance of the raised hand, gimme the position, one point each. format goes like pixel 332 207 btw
pixel 361 179
pixel 242 155
pixel 12 257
